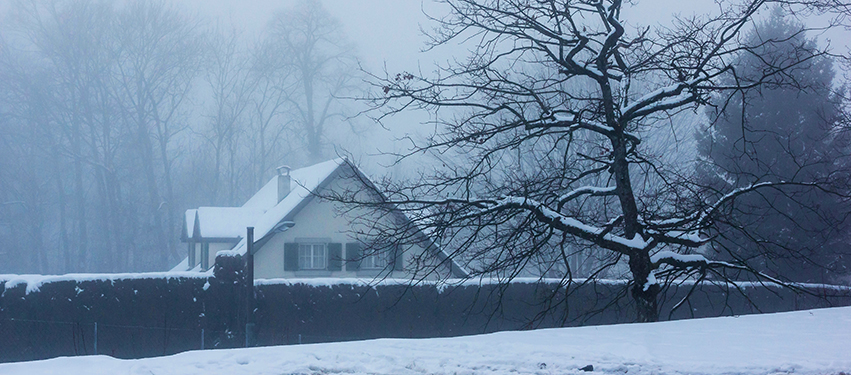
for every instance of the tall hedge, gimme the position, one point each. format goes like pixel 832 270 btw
pixel 150 316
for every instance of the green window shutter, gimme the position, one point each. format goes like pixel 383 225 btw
pixel 335 257
pixel 354 255
pixel 398 259
pixel 290 256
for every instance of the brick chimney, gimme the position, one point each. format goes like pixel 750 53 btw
pixel 283 182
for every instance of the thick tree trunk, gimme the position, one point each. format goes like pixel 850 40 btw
pixel 644 293
pixel 107 249
pixel 169 186
pixel 314 145
pixel 153 193
pixel 80 197
pixel 623 187
pixel 644 290
pixel 63 229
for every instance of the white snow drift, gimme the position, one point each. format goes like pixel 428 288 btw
pixel 804 342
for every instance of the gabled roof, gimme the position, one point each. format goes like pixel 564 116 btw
pixel 220 224
pixel 303 183
pixel 262 211
pixel 454 268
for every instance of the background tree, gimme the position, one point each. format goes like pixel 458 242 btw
pixel 269 147
pixel 231 83
pixel 74 48
pixel 24 191
pixel 310 44
pixel 116 116
pixel 160 55
pixel 785 130
pixel 103 89
pixel 602 188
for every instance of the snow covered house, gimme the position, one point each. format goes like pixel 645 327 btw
pixel 297 233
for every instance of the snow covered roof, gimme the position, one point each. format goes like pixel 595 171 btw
pixel 189 224
pixel 302 182
pixel 262 211
pixel 226 222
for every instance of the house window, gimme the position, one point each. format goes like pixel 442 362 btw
pixel 374 261
pixel 312 256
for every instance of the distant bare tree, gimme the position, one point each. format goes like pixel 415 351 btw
pixel 311 44
pixel 74 39
pixel 160 53
pixel 24 189
pixel 98 97
pixel 515 92
pixel 228 73
pixel 269 119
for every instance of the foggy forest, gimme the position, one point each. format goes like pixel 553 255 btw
pixel 117 116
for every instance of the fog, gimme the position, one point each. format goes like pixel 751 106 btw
pixel 104 149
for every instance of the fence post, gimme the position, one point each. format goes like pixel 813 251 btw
pixel 249 288
pixel 96 338
pixel 202 339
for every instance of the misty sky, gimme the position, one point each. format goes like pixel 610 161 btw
pixel 388 31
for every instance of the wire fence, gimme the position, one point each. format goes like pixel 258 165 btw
pixel 48 338
pixel 117 321
pixel 51 338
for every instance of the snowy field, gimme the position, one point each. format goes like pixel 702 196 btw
pixel 804 342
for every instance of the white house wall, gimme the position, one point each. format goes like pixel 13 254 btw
pixel 211 257
pixel 319 220
pixel 215 247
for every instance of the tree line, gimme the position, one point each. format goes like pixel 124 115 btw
pixel 115 117
pixel 548 145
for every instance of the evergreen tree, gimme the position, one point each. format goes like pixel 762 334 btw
pixel 784 131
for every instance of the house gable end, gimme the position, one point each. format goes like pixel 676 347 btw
pixel 423 240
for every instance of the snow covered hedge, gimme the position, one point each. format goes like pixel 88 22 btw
pixel 147 314
pixel 141 315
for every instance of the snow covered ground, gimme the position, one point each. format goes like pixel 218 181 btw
pixel 804 342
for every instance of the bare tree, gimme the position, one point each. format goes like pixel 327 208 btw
pixel 310 43
pixel 106 91
pixel 269 119
pixel 592 181
pixel 74 40
pixel 24 191
pixel 228 74
pixel 159 56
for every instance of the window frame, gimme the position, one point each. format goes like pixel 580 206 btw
pixel 312 256
pixel 374 261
